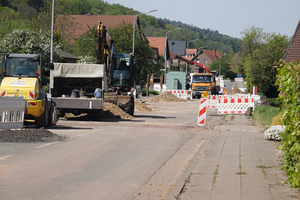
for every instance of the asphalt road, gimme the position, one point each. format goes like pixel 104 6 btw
pixel 136 159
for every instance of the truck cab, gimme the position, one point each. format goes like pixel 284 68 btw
pixel 202 82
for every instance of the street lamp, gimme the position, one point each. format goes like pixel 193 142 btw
pixel 220 62
pixel 52 30
pixel 187 47
pixel 166 52
pixel 134 28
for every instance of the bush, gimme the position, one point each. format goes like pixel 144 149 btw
pixel 288 80
pixel 275 102
pixel 277 120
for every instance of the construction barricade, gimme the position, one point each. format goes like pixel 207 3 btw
pixel 182 94
pixel 235 105
pixel 202 112
pixel 12 112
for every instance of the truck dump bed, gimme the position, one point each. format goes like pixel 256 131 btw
pixel 67 77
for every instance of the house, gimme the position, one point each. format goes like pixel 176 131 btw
pixel 67 57
pixel 77 25
pixel 293 52
pixel 158 46
pixel 205 58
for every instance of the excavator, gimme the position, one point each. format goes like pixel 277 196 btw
pixel 120 69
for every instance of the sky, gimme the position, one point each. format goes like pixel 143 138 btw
pixel 229 17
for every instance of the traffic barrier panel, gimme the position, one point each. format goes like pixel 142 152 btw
pixel 202 112
pixel 12 111
pixel 213 101
pixel 235 105
pixel 182 94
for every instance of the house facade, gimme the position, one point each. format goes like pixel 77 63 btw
pixel 205 58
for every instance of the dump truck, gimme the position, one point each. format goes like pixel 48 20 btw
pixel 23 75
pixel 78 88
pixel 201 82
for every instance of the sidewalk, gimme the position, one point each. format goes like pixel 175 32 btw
pixel 235 162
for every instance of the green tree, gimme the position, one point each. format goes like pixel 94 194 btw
pixel 260 51
pixel 30 42
pixel 122 36
pixel 225 67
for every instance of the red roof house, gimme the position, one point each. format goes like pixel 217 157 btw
pixel 293 52
pixel 204 57
pixel 77 25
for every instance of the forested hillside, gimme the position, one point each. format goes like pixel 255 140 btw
pixel 36 15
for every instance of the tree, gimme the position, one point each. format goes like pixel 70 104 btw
pixel 224 65
pixel 30 42
pixel 122 36
pixel 260 51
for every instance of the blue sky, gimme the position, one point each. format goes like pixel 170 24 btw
pixel 229 17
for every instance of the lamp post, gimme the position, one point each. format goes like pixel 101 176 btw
pixel 52 30
pixel 134 28
pixel 166 52
pixel 187 47
pixel 220 62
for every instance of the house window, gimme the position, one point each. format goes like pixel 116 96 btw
pixel 206 60
pixel 198 61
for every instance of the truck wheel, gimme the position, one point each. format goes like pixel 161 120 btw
pixel 53 115
pixel 42 121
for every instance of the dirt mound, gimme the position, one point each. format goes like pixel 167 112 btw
pixel 29 136
pixel 166 97
pixel 141 106
pixel 112 111
pixel 234 91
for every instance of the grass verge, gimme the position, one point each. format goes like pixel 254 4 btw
pixel 264 114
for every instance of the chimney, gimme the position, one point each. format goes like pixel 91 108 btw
pixel 214 52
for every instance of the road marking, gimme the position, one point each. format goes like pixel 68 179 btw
pixel 4 157
pixel 45 145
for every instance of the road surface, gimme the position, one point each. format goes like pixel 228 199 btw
pixel 126 159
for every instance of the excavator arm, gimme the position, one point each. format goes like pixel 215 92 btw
pixel 193 63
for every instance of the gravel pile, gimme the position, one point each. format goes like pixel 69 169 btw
pixel 29 136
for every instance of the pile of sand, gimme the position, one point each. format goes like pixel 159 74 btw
pixel 166 97
pixel 234 91
pixel 112 111
pixel 141 107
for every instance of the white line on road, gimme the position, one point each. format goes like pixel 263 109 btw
pixel 4 157
pixel 45 145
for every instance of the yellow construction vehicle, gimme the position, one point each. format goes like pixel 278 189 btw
pixel 22 75
pixel 120 68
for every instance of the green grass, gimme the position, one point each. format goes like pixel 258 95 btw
pixel 265 114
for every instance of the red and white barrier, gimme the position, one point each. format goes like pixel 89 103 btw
pixel 254 90
pixel 234 105
pixel 202 112
pixel 213 101
pixel 182 94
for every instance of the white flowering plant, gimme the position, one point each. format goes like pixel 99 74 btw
pixel 274 133
pixel 30 42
